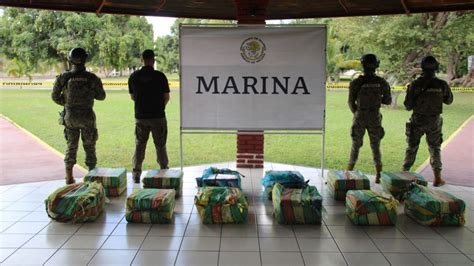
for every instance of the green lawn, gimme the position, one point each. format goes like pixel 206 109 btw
pixel 34 110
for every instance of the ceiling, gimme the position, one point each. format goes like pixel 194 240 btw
pixel 238 9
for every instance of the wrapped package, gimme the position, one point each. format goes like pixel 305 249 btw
pixel 434 207
pixel 288 179
pixel 165 179
pixel 366 207
pixel 296 205
pixel 221 205
pixel 340 181
pixel 150 205
pixel 76 203
pixel 399 183
pixel 114 180
pixel 216 177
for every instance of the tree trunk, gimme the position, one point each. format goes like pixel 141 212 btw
pixel 453 61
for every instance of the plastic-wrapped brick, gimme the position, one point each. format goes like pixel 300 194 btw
pixel 114 180
pixel 340 181
pixel 150 205
pixel 297 205
pixel 221 205
pixel 366 207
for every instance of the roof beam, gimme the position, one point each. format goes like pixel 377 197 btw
pixel 405 7
pixel 102 4
pixel 343 4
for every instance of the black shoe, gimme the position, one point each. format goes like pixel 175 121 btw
pixel 136 177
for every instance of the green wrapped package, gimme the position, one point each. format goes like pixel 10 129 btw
pixel 221 205
pixel 150 205
pixel 76 203
pixel 165 179
pixel 340 181
pixel 398 184
pixel 434 207
pixel 296 205
pixel 114 180
pixel 366 207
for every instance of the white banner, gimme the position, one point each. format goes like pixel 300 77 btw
pixel 253 77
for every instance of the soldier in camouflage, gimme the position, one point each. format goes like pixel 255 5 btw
pixel 425 96
pixel 366 94
pixel 76 90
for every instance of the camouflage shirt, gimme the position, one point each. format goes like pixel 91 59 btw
pixel 426 95
pixel 368 92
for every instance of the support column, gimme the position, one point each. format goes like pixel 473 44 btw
pixel 250 144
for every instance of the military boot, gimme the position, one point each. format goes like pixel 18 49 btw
pixel 350 166
pixel 378 170
pixel 438 181
pixel 69 176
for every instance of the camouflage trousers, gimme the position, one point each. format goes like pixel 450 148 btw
pixel 418 126
pixel 372 122
pixel 89 138
pixel 159 131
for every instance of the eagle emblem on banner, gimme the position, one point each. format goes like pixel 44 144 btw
pixel 252 50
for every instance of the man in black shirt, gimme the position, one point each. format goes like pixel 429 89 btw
pixel 149 90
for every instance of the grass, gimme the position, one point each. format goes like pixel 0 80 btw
pixel 34 110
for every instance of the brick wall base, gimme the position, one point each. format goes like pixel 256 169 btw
pixel 250 149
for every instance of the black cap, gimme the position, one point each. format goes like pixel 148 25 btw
pixel 148 54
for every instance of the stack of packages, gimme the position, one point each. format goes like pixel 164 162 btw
pixel 365 207
pixel 340 181
pixel 114 180
pixel 297 205
pixel 399 183
pixel 217 205
pixel 76 203
pixel 434 207
pixel 165 179
pixel 216 177
pixel 288 179
pixel 150 205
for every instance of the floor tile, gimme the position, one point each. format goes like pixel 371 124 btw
pixel 347 232
pixel 449 259
pixel 24 206
pixel 96 229
pixel 396 245
pixel 279 244
pixel 466 246
pixel 4 225
pixel 420 232
pixel 311 231
pixel 123 242
pixel 406 259
pixel 113 257
pixel 55 228
pixel 46 241
pixel 435 246
pixel 365 259
pixel 383 232
pixel 356 245
pixel 110 217
pixel 275 231
pixel 324 258
pixel 71 257
pixel 239 244
pixel 265 219
pixel 167 230
pixel 155 258
pixel 180 218
pixel 26 228
pixel 5 252
pixel 317 245
pixel 14 240
pixel 130 229
pixel 203 230
pixel 282 258
pixel 29 257
pixel 201 243
pixel 239 259
pixel 455 233
pixel 239 230
pixel 161 243
pixel 85 242
pixel 336 219
pixel 196 258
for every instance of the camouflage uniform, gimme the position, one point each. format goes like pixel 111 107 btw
pixel 76 91
pixel 425 96
pixel 366 94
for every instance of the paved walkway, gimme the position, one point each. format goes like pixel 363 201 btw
pixel 24 158
pixel 457 155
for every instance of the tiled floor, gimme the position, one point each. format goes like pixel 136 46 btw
pixel 28 236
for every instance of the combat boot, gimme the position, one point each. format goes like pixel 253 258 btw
pixel 350 166
pixel 69 176
pixel 378 170
pixel 438 181
pixel 136 177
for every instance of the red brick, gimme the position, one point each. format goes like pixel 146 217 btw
pixel 244 156
pixel 258 166
pixel 255 161
pixel 255 142
pixel 258 137
pixel 244 165
pixel 257 156
pixel 246 147
pixel 245 137
pixel 241 161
